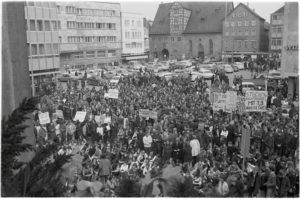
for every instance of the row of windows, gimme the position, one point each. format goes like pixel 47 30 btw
pixel 166 39
pixel 239 14
pixel 240 32
pixel 138 23
pixel 43 49
pixel 91 54
pixel 41 25
pixel 277 30
pixel 89 39
pixel 133 45
pixel 240 23
pixel 134 35
pixel 277 17
pixel 41 4
pixel 84 11
pixel 276 42
pixel 245 44
pixel 87 25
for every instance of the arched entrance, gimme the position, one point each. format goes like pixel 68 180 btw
pixel 165 54
pixel 200 51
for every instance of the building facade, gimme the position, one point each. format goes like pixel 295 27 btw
pixel 133 47
pixel 42 40
pixel 276 32
pixel 146 24
pixel 290 48
pixel 183 30
pixel 15 71
pixel 90 34
pixel 245 32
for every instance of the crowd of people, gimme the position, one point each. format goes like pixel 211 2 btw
pixel 187 133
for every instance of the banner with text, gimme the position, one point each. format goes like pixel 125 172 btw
pixel 113 93
pixel 256 101
pixel 219 101
pixel 80 116
pixel 231 100
pixel 44 118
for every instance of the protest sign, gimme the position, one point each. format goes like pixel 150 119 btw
pixel 107 120
pixel 106 95
pixel 113 93
pixel 231 100
pixel 59 114
pixel 115 81
pixel 98 119
pixel 256 101
pixel 153 115
pixel 143 112
pixel 219 101
pixel 80 116
pixel 44 118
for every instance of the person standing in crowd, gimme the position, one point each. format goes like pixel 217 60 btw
pixel 147 140
pixel 195 145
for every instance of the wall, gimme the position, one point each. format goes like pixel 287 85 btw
pixel 15 75
pixel 179 49
pixel 290 58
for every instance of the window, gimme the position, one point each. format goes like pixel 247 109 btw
pixel 239 32
pixel 127 35
pixel 139 23
pixel 101 53
pixel 127 23
pixel 232 23
pixel 54 25
pixel 253 23
pixel 55 49
pixel 30 3
pixel 253 32
pixel 90 53
pixel 33 49
pixel 71 10
pixel 178 38
pixel 40 25
pixel 246 44
pixel 59 39
pixel 58 25
pixel 279 30
pixel 274 17
pixel 41 49
pixel 111 53
pixel 246 23
pixel 111 38
pixel 78 55
pixel 278 42
pixel 239 23
pixel 111 26
pixel 239 43
pixel 253 43
pixel 127 45
pixel 48 48
pixel 47 26
pixel 58 9
pixel 211 47
pixel 32 25
pixel 172 39
pixel 226 24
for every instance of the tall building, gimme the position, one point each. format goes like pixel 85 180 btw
pixel 15 71
pixel 245 32
pixel 42 39
pixel 146 35
pixel 90 34
pixel 133 47
pixel 188 30
pixel 290 47
pixel 276 31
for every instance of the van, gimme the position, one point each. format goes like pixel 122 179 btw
pixel 248 86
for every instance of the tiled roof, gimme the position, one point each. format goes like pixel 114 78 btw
pixel 280 10
pixel 206 17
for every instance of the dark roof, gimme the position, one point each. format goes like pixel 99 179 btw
pixel 206 17
pixel 249 9
pixel 280 10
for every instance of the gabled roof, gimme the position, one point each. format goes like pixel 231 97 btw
pixel 206 17
pixel 280 10
pixel 247 8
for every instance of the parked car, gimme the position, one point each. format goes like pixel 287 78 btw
pixel 228 68
pixel 206 74
pixel 240 65
pixel 274 74
pixel 64 78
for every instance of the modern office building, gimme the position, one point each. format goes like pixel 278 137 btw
pixel 183 30
pixel 245 32
pixel 133 47
pixel 290 47
pixel 90 34
pixel 276 31
pixel 15 71
pixel 42 39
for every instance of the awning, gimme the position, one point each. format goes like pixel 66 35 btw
pixel 136 57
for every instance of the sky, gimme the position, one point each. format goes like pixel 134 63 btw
pixel 149 8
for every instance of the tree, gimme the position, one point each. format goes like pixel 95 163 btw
pixel 41 176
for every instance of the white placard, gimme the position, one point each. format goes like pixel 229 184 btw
pixel 107 120
pixel 59 114
pixel 256 101
pixel 231 100
pixel 80 116
pixel 44 118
